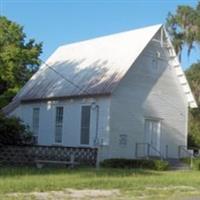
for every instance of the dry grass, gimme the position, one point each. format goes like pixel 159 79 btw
pixel 103 184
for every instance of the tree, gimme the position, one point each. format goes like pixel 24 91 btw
pixel 14 132
pixel 184 29
pixel 193 76
pixel 18 59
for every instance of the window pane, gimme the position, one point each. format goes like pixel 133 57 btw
pixel 58 135
pixel 35 123
pixel 85 124
pixel 58 124
pixel 59 115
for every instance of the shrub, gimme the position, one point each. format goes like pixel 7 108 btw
pixel 13 131
pixel 131 163
pixel 161 165
pixel 195 162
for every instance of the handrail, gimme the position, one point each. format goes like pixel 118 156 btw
pixel 149 146
pixel 156 150
pixel 184 148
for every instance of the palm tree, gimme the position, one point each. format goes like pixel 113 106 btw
pixel 184 27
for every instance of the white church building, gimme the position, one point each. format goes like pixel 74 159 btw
pixel 125 94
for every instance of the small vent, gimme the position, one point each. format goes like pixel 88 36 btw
pixel 123 140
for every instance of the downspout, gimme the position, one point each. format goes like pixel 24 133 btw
pixel 96 140
pixel 96 108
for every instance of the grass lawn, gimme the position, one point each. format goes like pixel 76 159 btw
pixel 103 184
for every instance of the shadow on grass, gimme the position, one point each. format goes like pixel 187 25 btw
pixel 8 171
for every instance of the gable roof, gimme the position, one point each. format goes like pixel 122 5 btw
pixel 95 66
pixel 87 68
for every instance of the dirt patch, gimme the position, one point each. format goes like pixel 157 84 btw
pixel 172 188
pixel 68 194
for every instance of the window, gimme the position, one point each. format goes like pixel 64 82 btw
pixel 35 123
pixel 59 125
pixel 85 124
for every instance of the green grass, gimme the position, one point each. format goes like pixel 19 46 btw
pixel 195 162
pixel 133 184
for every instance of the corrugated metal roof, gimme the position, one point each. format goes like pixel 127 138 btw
pixel 92 67
pixel 95 66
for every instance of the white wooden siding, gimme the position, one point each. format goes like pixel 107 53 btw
pixel 71 120
pixel 148 91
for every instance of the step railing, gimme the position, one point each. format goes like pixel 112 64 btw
pixel 147 149
pixel 182 148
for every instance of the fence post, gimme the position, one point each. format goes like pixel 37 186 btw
pixel 99 152
pixel 191 161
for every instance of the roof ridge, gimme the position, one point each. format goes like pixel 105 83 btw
pixel 110 35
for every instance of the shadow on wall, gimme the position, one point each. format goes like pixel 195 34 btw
pixel 143 103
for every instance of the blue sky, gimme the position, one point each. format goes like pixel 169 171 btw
pixel 63 21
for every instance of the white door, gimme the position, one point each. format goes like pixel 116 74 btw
pixel 152 135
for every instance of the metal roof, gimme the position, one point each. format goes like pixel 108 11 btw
pixel 95 66
pixel 91 67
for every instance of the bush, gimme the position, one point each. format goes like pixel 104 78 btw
pixel 13 131
pixel 195 162
pixel 131 163
pixel 161 165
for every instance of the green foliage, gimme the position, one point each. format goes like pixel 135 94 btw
pixel 130 163
pixel 195 162
pixel 161 165
pixel 193 76
pixel 18 59
pixel 13 131
pixel 184 27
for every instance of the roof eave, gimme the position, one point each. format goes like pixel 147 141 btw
pixel 188 93
pixel 61 98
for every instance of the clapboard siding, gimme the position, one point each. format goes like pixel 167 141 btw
pixel 148 91
pixel 71 120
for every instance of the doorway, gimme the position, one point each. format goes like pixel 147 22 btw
pixel 152 135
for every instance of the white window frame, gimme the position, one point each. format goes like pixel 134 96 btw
pixel 58 125
pixel 36 122
pixel 85 105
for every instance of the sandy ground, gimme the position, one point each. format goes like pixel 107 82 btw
pixel 181 193
pixel 68 194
